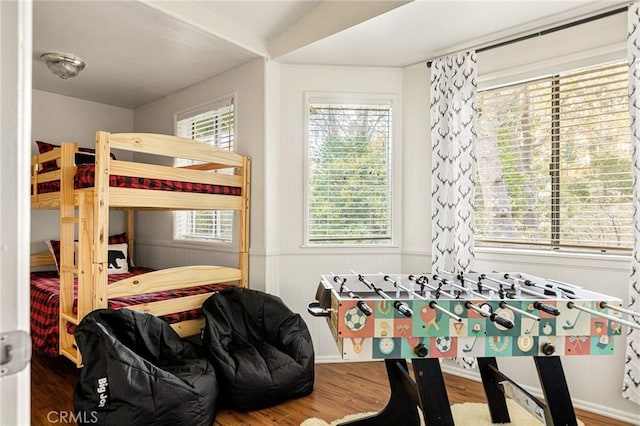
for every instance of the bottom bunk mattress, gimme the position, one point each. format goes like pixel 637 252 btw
pixel 45 305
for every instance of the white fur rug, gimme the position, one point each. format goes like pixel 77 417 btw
pixel 468 414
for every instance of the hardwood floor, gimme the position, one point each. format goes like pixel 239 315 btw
pixel 340 389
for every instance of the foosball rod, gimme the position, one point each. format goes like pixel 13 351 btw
pixel 401 307
pixel 563 283
pixel 505 322
pixel 521 288
pixel 529 277
pixel 432 288
pixel 396 284
pixel 551 310
pixel 362 305
pixel 569 294
pixel 460 287
pixel 619 309
pixel 537 305
pixel 433 304
pixel 572 305
pixel 478 284
pixel 503 304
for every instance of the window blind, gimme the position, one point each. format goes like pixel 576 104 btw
pixel 349 174
pixel 214 125
pixel 554 162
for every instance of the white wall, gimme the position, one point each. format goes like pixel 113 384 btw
pixel 57 118
pixel 300 267
pixel 600 41
pixel 416 170
pixel 273 207
pixel 154 230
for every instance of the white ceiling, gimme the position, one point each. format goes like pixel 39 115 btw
pixel 139 51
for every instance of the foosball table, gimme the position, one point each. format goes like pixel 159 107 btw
pixel 486 316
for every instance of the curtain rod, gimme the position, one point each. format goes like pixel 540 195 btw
pixel 548 31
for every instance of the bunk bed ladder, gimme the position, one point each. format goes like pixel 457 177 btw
pixel 243 262
pixel 67 267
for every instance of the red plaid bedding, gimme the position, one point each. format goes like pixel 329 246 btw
pixel 45 302
pixel 84 178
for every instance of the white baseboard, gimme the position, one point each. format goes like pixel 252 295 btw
pixel 330 359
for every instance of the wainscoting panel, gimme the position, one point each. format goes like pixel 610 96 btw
pixel 161 256
pixel 299 277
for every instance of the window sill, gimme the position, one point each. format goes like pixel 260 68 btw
pixel 352 249
pixel 349 245
pixel 554 257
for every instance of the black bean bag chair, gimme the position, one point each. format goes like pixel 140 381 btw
pixel 262 352
pixel 137 371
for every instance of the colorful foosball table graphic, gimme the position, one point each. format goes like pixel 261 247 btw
pixel 381 316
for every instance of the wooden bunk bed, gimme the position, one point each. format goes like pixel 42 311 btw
pixel 84 220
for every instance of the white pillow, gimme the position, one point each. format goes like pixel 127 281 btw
pixel 117 259
pixel 52 250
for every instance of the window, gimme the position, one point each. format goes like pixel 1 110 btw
pixel 349 173
pixel 554 162
pixel 214 125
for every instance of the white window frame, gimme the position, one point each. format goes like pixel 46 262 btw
pixel 219 102
pixel 395 162
pixel 538 70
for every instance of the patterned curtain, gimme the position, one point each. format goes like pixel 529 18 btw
pixel 453 139
pixel 631 381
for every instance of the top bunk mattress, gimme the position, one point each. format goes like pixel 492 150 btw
pixel 85 178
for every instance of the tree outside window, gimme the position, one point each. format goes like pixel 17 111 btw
pixel 554 162
pixel 214 125
pixel 349 174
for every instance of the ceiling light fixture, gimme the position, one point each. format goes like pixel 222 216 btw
pixel 64 65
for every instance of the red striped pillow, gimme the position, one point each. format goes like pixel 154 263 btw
pixel 49 166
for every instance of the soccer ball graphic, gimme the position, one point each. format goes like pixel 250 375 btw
pixel 443 343
pixel 354 319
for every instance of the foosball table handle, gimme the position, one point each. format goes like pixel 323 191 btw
pixel 314 309
pixel 548 348
pixel 552 310
pixel 421 350
pixel 364 308
pixel 505 322
pixel 403 308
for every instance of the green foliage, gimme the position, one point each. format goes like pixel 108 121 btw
pixel 583 118
pixel 349 174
